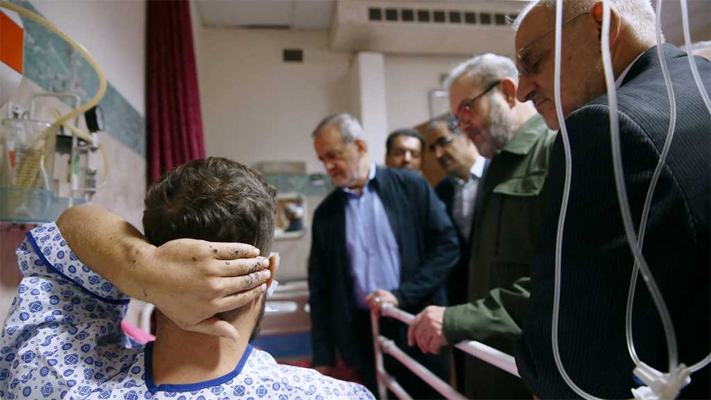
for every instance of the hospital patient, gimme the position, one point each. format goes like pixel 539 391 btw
pixel 62 337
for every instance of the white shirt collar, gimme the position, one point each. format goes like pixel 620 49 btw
pixel 477 170
pixel 622 76
pixel 478 167
pixel 371 173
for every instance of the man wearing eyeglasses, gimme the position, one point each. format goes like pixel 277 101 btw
pixel 465 168
pixel 382 236
pixel 596 261
pixel 458 157
pixel 509 208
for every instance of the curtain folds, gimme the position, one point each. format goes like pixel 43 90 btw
pixel 173 115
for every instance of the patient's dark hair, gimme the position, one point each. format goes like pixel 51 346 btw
pixel 213 199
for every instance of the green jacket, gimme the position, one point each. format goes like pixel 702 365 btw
pixel 509 210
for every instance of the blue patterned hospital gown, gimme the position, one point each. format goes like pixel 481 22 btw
pixel 63 340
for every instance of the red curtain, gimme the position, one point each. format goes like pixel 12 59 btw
pixel 174 119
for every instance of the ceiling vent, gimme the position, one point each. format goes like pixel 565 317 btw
pixel 425 27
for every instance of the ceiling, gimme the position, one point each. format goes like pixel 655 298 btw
pixel 318 14
pixel 292 14
pixel 287 14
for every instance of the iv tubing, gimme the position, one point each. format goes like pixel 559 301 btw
pixel 622 194
pixel 653 183
pixel 563 206
pixel 102 80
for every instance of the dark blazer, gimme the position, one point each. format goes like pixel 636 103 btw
pixel 457 287
pixel 428 249
pixel 597 262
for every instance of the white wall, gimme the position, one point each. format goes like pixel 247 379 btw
pixel 408 81
pixel 368 82
pixel 256 107
pixel 114 33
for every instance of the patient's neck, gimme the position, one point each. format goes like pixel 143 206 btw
pixel 182 357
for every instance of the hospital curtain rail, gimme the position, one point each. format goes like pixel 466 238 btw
pixel 384 345
pixel 173 116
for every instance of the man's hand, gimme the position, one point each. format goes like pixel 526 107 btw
pixel 426 330
pixel 192 280
pixel 376 299
pixel 188 280
pixel 325 370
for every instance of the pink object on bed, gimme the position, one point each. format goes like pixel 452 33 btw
pixel 136 333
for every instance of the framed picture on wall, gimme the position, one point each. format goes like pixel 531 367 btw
pixel 291 216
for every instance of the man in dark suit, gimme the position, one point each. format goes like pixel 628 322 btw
pixel 597 262
pixel 457 156
pixel 381 236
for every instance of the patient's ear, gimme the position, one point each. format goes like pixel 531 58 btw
pixel 274 260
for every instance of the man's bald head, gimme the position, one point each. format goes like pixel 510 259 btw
pixel 638 14
pixel 632 32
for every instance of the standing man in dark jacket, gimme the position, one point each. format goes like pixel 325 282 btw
pixel 458 157
pixel 509 209
pixel 596 262
pixel 381 236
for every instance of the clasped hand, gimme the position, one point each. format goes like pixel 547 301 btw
pixel 192 280
pixel 426 330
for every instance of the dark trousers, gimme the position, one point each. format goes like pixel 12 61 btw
pixel 397 331
pixel 459 358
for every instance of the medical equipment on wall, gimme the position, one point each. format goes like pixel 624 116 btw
pixel 29 148
pixel 659 385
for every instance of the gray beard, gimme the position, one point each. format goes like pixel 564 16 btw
pixel 502 123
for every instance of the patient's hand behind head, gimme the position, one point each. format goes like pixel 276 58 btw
pixel 216 200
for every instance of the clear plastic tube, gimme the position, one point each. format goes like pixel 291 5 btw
pixel 622 195
pixel 653 183
pixel 622 198
pixel 563 206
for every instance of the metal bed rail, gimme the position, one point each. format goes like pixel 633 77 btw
pixel 383 345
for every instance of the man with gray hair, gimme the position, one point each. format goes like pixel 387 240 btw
pixel 382 236
pixel 509 207
pixel 596 263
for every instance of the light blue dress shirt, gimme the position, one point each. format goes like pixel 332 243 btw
pixel 372 248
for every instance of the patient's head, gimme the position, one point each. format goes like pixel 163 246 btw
pixel 217 200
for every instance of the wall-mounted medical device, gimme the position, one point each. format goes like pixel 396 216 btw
pixel 44 156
